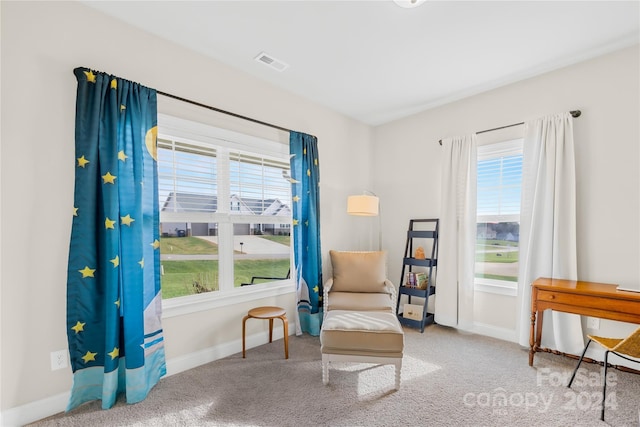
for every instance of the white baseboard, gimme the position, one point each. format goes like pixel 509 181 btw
pixel 201 357
pixel 495 332
pixel 39 409
pixel 34 411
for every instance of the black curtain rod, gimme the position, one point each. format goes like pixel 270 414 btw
pixel 574 113
pixel 188 101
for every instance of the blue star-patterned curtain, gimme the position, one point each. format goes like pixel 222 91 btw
pixel 305 174
pixel 113 286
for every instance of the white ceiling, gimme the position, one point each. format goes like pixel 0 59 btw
pixel 377 62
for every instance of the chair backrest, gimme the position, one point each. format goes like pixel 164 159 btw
pixel 630 345
pixel 363 272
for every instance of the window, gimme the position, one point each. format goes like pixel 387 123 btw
pixel 499 182
pixel 225 211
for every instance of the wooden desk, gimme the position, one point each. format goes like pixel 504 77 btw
pixel 586 298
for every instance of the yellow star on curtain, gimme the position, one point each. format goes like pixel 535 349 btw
pixel 115 261
pixel 89 356
pixel 82 161
pixel 108 178
pixel 109 223
pixel 90 76
pixel 114 353
pixel 87 272
pixel 79 327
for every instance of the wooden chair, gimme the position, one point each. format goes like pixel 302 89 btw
pixel 624 347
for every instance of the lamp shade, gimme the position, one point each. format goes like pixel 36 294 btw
pixel 363 205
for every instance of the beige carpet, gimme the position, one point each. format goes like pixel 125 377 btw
pixel 448 379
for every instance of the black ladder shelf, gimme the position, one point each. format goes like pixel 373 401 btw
pixel 428 265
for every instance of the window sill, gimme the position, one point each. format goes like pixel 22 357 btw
pixel 498 287
pixel 194 303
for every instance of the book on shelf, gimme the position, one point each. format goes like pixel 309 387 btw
pixel 412 311
pixel 416 280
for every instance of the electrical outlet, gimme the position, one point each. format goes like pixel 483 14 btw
pixel 58 360
pixel 593 323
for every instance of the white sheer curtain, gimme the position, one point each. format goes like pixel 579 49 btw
pixel 548 225
pixel 457 240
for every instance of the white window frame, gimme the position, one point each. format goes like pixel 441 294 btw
pixel 170 127
pixel 488 151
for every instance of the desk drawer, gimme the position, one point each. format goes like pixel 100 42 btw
pixel 589 301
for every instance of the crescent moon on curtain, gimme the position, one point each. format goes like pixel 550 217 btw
pixel 150 141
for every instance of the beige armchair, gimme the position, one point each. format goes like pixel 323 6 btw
pixel 359 283
pixel 359 322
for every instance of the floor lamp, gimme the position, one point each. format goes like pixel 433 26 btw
pixel 366 205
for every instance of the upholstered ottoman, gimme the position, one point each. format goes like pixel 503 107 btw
pixel 361 336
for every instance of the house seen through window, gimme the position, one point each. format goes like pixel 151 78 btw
pixel 225 210
pixel 499 182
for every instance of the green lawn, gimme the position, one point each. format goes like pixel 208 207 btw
pixel 179 277
pixel 187 246
pixel 506 257
pixel 283 240
pixel 190 277
pixel 492 245
pixel 244 270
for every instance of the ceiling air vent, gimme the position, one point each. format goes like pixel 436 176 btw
pixel 272 62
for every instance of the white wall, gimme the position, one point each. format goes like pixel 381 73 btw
pixel 42 42
pixel 606 90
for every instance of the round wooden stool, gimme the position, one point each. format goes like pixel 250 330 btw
pixel 268 313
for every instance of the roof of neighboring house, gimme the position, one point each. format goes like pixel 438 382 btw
pixel 190 202
pixel 194 202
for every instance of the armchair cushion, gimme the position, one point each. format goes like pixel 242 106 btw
pixel 368 301
pixel 359 271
